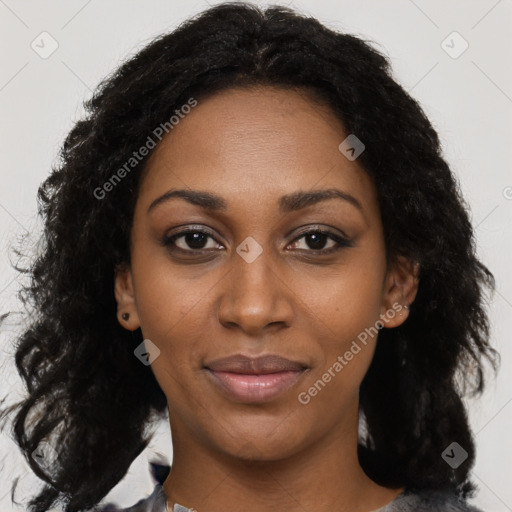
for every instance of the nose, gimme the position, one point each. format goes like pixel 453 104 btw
pixel 254 297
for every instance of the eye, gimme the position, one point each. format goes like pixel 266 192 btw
pixel 191 240
pixel 321 241
pixel 196 240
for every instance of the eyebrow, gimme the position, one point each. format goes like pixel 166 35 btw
pixel 287 203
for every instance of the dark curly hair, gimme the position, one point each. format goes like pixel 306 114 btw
pixel 85 389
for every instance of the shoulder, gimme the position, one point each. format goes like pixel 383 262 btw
pixel 408 501
pixel 428 501
pixel 155 502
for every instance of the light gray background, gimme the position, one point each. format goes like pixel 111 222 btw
pixel 468 99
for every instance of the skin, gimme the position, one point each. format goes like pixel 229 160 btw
pixel 252 146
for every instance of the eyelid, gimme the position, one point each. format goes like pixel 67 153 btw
pixel 341 239
pixel 168 238
pixel 328 230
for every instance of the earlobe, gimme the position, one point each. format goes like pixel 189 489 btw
pixel 124 293
pixel 400 289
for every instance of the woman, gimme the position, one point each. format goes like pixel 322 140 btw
pixel 255 231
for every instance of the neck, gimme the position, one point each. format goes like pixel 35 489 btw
pixel 324 477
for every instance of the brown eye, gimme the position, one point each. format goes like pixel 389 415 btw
pixel 316 241
pixel 190 240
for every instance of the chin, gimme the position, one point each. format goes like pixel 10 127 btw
pixel 269 443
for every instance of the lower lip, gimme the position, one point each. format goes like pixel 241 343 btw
pixel 255 388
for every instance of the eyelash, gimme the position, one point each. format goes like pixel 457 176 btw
pixel 341 242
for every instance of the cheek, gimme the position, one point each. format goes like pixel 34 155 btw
pixel 345 358
pixel 345 311
pixel 172 311
pixel 346 300
pixel 166 301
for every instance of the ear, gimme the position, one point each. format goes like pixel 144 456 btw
pixel 125 298
pixel 399 292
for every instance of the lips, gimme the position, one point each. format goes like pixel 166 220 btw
pixel 254 380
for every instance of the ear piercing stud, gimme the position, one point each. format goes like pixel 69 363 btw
pixel 126 316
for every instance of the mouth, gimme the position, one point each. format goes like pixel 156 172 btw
pixel 254 380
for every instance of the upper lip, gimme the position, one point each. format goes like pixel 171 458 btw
pixel 239 363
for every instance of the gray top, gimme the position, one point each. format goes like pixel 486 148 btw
pixel 425 501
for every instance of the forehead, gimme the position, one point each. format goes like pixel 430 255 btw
pixel 262 142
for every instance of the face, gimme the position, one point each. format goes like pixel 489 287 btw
pixel 254 236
